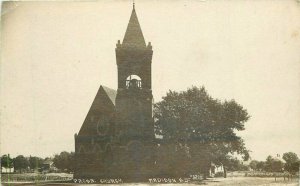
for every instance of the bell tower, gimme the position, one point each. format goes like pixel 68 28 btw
pixel 117 138
pixel 134 94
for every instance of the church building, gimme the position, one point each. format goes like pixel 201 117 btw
pixel 116 139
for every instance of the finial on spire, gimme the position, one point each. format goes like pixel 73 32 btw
pixel 133 4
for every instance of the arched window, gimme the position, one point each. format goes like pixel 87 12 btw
pixel 133 82
pixel 81 149
pixel 108 156
pixel 97 149
pixel 108 148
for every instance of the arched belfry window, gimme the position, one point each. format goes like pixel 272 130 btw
pixel 81 149
pixel 133 82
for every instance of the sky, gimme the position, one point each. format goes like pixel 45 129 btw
pixel 55 55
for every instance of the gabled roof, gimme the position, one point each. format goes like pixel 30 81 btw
pixel 48 161
pixel 134 35
pixel 111 93
pixel 101 97
pixel 104 103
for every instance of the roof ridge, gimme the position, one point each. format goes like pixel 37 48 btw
pixel 111 93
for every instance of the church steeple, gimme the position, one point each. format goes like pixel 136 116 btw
pixel 134 35
pixel 134 95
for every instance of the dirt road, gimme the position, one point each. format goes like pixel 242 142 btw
pixel 230 181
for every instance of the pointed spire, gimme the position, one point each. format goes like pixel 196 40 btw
pixel 134 35
pixel 133 5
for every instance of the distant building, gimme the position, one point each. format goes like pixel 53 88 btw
pixel 48 166
pixel 216 169
pixel 7 170
pixel 116 139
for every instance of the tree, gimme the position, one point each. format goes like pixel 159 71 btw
pixel 65 161
pixel 253 165
pixel 35 162
pixel 206 125
pixel 261 165
pixel 6 161
pixel 20 163
pixel 292 162
pixel 234 164
pixel 273 165
pixel 294 167
pixel 290 157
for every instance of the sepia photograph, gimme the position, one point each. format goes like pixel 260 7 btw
pixel 149 92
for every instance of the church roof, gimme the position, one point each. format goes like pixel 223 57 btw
pixel 134 35
pixel 104 103
pixel 111 93
pixel 102 95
